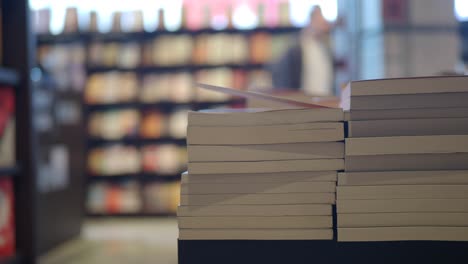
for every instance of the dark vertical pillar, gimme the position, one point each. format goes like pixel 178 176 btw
pixel 18 51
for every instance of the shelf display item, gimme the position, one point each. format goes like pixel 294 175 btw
pixel 114 160
pixel 161 197
pixel 7 127
pixel 164 159
pixel 114 124
pixel 178 123
pixel 112 87
pixel 114 198
pixel 7 219
pixel 153 125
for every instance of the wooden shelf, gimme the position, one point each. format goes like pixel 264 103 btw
pixel 165 106
pixel 143 176
pixel 45 39
pixel 95 142
pixel 8 77
pixel 140 214
pixel 177 68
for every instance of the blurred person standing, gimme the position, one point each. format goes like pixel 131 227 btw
pixel 307 65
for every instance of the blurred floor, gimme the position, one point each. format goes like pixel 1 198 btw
pixel 120 241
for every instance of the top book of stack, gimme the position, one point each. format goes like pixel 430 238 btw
pixel 257 126
pixel 421 97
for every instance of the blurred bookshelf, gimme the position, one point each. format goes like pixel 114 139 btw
pixel 137 89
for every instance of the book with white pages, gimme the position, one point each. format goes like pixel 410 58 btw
pixel 262 187
pixel 255 210
pixel 301 176
pixel 271 134
pixel 402 219
pixel 441 144
pixel 408 127
pixel 409 85
pixel 247 222
pixel 291 151
pixel 256 234
pixel 265 166
pixel 407 162
pixel 430 205
pixel 403 177
pixel 459 191
pixel 258 199
pixel 418 113
pixel 430 233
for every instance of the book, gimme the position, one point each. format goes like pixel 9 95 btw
pixel 270 134
pixel 402 219
pixel 402 192
pixel 7 218
pixel 255 210
pixel 411 205
pixel 403 177
pixel 258 199
pixel 294 151
pixel 261 117
pixel 264 187
pixel 265 166
pixel 7 127
pixel 428 100
pixel 408 127
pixel 418 113
pixel 303 176
pixel 413 85
pixel 409 162
pixel 406 145
pixel 248 222
pixel 403 233
pixel 255 234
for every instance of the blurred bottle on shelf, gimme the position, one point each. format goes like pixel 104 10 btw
pixel 71 20
pixel 284 14
pixel 161 20
pixel 261 13
pixel 93 21
pixel 206 17
pixel 41 21
pixel 116 22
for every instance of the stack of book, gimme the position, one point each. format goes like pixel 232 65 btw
pixel 256 174
pixel 406 169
